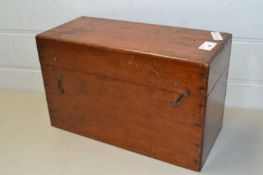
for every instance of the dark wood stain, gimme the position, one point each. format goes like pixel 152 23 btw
pixel 120 79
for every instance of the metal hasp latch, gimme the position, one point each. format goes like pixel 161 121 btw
pixel 60 90
pixel 178 100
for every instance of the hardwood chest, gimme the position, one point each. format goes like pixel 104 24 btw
pixel 155 90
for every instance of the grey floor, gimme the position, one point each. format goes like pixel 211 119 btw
pixel 30 146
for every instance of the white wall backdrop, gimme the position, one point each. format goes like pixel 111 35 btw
pixel 20 21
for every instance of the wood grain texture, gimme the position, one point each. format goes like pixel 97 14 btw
pixel 120 91
pixel 219 65
pixel 214 114
pixel 172 42
pixel 217 85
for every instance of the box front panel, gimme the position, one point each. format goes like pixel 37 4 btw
pixel 126 100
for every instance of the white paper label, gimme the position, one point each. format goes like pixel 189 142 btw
pixel 207 45
pixel 216 35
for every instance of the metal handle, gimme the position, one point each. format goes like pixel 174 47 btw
pixel 60 90
pixel 178 100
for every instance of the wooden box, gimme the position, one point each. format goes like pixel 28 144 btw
pixel 146 88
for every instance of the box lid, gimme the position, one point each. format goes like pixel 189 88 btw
pixel 171 42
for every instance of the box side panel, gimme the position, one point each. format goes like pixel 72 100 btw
pixel 217 84
pixel 126 100
pixel 214 115
pixel 218 66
